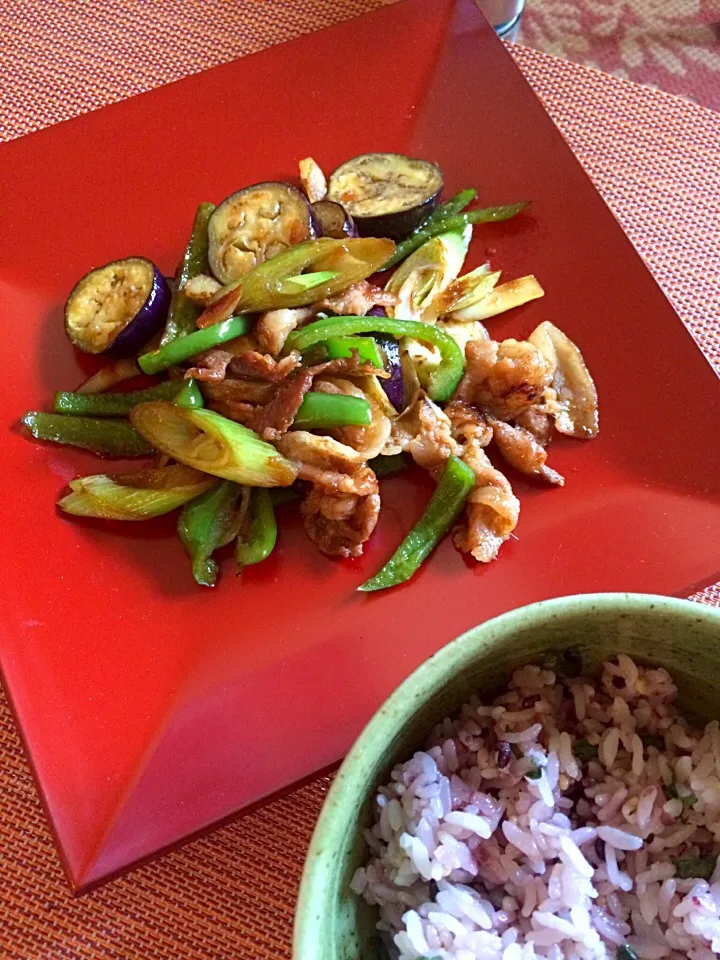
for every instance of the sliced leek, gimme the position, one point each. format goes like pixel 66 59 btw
pixel 504 297
pixel 139 495
pixel 210 442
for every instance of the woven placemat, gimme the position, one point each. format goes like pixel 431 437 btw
pixel 60 58
pixel 656 160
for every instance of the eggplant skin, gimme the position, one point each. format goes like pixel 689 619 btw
pixel 386 194
pixel 253 225
pixel 115 309
pixel 333 220
pixel 394 387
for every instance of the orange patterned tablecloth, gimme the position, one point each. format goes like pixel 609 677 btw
pixel 670 44
pixel 656 160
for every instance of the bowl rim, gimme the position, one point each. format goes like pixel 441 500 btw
pixel 320 860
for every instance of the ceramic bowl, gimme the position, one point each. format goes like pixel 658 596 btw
pixel 684 637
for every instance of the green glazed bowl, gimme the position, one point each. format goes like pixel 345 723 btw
pixel 331 923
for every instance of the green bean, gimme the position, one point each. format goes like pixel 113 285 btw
pixel 446 224
pixel 113 404
pixel 387 465
pixel 260 540
pixel 446 502
pixel 190 395
pixel 452 206
pixel 207 523
pixel 189 346
pixel 106 437
pixel 183 312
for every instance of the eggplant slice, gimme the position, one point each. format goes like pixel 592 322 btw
pixel 386 194
pixel 117 308
pixel 333 220
pixel 255 224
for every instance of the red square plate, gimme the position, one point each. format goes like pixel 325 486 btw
pixel 152 708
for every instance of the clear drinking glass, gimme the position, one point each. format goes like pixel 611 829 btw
pixel 504 15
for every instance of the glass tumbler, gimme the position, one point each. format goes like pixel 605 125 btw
pixel 504 15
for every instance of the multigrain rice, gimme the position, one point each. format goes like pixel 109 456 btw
pixel 549 824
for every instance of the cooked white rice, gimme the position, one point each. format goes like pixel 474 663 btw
pixel 472 859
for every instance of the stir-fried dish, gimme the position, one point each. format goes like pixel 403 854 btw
pixel 312 342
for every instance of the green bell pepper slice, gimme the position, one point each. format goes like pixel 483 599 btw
pixel 441 382
pixel 367 349
pixel 319 410
pixel 182 349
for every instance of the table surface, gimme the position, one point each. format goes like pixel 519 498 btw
pixel 655 159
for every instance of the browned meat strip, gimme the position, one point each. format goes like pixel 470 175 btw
pixel 341 510
pixel 340 525
pixel 215 365
pixel 211 366
pixel 332 465
pixel 505 378
pixel 358 299
pixel 575 400
pixel 237 391
pixel 229 406
pixel 261 366
pixel 275 417
pixel 522 451
pixel 480 357
pixel 492 509
pixel 538 423
pixel 219 310
pixel 347 367
pixel 370 440
pixel 277 396
pixel 425 432
pixel 468 423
